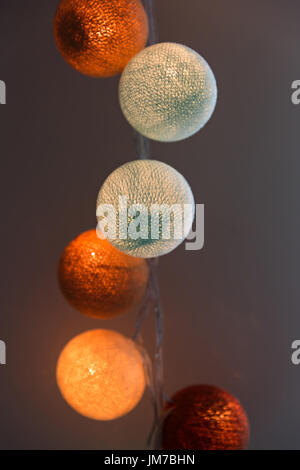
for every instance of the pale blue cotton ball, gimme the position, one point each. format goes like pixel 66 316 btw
pixel 167 92
pixel 145 208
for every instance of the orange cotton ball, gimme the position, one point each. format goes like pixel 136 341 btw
pixel 99 280
pixel 204 417
pixel 100 374
pixel 98 38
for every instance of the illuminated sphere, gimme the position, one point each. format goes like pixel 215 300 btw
pixel 147 183
pixel 100 374
pixel 203 417
pixel 99 280
pixel 98 38
pixel 168 92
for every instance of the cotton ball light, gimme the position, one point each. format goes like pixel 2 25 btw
pixel 98 38
pixel 151 206
pixel 204 417
pixel 99 280
pixel 167 92
pixel 100 374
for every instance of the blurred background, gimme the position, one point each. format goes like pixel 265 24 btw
pixel 231 309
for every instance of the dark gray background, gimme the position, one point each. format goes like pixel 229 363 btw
pixel 232 309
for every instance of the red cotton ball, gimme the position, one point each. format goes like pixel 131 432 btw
pixel 204 417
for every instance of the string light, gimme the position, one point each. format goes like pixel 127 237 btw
pixel 204 417
pixel 99 280
pixel 98 38
pixel 160 196
pixel 100 374
pixel 167 92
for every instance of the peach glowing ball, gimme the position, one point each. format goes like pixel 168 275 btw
pixel 98 38
pixel 100 374
pixel 99 280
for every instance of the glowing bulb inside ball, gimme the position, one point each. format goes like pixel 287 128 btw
pixel 100 374
pixel 204 417
pixel 98 38
pixel 167 92
pixel 145 208
pixel 99 280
